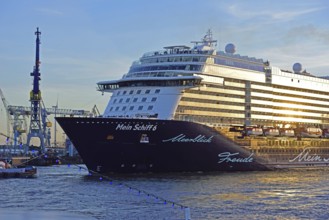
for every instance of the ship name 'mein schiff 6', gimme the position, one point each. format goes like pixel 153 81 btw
pixel 198 109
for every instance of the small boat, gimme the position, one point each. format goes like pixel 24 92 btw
pixel 7 171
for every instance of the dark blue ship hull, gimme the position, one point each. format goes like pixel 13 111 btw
pixel 118 145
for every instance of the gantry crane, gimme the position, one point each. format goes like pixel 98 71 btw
pixel 45 112
pixel 16 123
pixel 5 103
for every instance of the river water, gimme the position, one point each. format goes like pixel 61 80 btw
pixel 68 192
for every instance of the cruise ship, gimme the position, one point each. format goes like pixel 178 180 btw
pixel 195 108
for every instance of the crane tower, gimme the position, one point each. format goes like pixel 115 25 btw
pixel 35 99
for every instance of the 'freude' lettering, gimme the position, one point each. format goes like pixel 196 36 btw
pixel 230 157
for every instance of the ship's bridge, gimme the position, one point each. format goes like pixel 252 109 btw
pixel 182 81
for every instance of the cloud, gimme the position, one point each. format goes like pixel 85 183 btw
pixel 49 11
pixel 308 32
pixel 290 15
pixel 308 54
pixel 279 14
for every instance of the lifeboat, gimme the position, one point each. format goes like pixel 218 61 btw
pixel 311 132
pixel 274 132
pixel 254 132
pixel 287 132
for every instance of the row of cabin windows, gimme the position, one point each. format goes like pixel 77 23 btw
pixel 134 100
pixel 131 92
pixel 131 108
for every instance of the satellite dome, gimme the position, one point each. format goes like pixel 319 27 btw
pixel 230 48
pixel 297 67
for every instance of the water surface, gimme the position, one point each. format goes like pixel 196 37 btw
pixel 68 192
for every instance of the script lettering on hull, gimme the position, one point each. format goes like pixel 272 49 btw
pixel 231 157
pixel 305 156
pixel 183 138
pixel 136 127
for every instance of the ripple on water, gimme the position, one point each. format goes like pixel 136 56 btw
pixel 292 194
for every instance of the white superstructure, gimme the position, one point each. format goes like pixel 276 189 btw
pixel 217 88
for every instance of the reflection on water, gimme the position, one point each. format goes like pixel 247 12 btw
pixel 285 194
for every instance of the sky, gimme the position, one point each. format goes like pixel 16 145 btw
pixel 87 41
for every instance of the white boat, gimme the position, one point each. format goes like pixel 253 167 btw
pixel 6 171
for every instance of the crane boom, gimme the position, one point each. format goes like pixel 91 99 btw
pixel 59 111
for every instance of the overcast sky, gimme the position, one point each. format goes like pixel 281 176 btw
pixel 84 42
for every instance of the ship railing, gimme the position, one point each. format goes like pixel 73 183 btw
pixel 159 74
pixel 155 53
pixel 166 52
pixel 293 142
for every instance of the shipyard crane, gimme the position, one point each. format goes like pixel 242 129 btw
pixel 16 123
pixel 17 111
pixel 35 99
pixel 19 124
pixel 5 103
pixel 39 124
pixel 5 148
